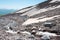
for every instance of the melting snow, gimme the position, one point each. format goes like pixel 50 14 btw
pixel 25 32
pixel 31 12
pixel 36 20
pixel 11 31
pixel 54 1
pixel 21 11
pixel 35 11
pixel 46 33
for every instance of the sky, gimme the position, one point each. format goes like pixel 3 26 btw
pixel 18 4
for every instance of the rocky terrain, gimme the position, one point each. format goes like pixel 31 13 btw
pixel 37 22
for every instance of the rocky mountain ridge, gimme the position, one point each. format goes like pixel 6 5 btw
pixel 37 22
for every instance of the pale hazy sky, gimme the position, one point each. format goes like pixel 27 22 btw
pixel 17 4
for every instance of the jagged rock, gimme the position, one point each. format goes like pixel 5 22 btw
pixel 49 24
pixel 45 37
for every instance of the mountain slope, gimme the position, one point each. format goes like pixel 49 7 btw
pixel 32 22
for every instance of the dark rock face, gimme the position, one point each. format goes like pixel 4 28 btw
pixel 49 24
pixel 39 21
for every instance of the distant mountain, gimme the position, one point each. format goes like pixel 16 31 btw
pixel 6 11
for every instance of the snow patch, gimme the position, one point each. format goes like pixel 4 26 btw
pixel 25 32
pixel 54 1
pixel 21 11
pixel 11 31
pixel 35 11
pixel 46 33
pixel 31 12
pixel 37 20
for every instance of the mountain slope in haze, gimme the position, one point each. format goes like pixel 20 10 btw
pixel 33 22
pixel 6 11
